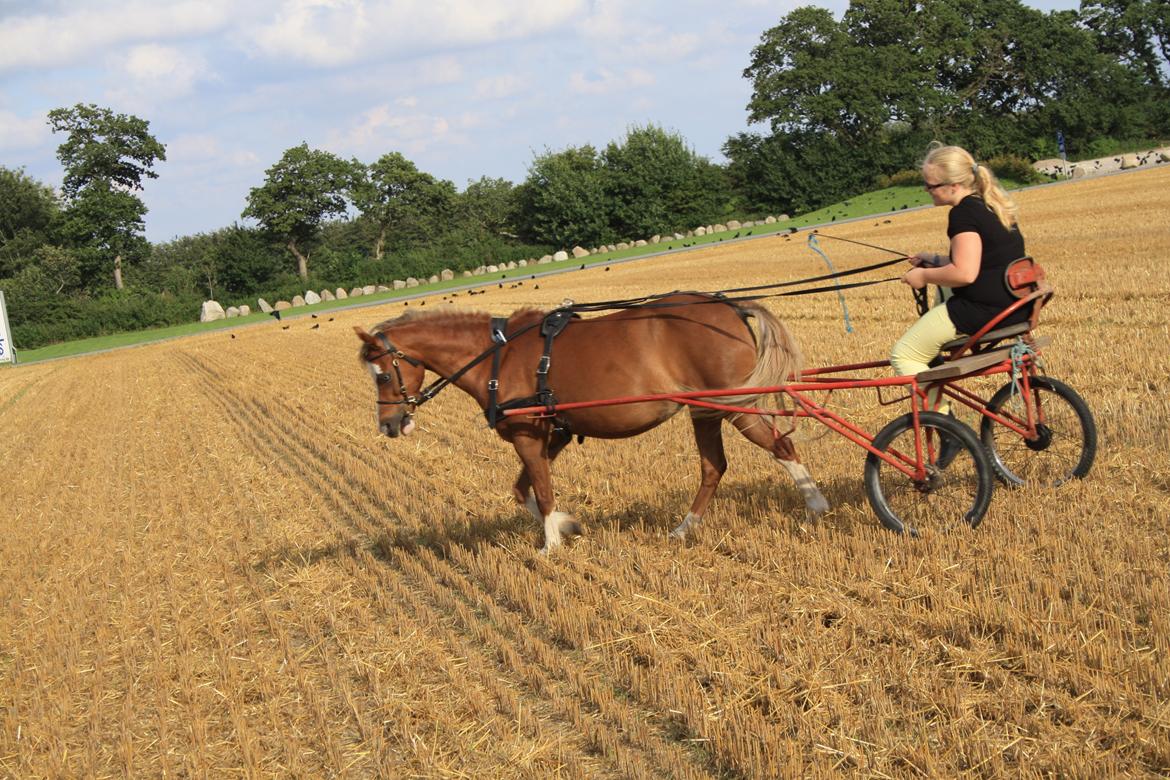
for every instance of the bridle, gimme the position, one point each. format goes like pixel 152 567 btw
pixel 408 402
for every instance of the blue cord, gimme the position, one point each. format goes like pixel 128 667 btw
pixel 816 247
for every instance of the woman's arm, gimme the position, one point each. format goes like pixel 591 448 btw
pixel 966 258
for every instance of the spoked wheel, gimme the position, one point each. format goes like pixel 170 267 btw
pixel 959 477
pixel 1066 435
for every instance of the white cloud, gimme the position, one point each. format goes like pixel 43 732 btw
pixel 339 32
pixel 497 87
pixel 604 81
pixel 54 40
pixel 163 69
pixel 382 128
pixel 17 132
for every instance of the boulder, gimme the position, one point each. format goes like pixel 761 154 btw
pixel 769 220
pixel 447 274
pixel 782 218
pixel 341 294
pixel 654 239
pixel 544 260
pixel 264 305
pixel 679 236
pixel 211 311
pixel 579 252
pixel 311 298
pixel 700 231
pixel 622 245
pixel 381 288
pixel 467 274
pixel 521 263
pixel 327 296
pixel 721 228
pixel 560 255
pixel 481 270
pixel 245 310
pixel 399 284
pixel 611 247
pixel 511 266
pixel 369 289
pixel 433 279
pixel 298 300
pixel 232 312
pixel 493 269
pixel 733 224
pixel 640 242
pixel 1078 172
pixel 282 306
pixel 1129 161
pixel 355 292
pixel 411 281
pixel 747 223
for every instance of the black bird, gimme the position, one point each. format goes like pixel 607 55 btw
pixel 582 268
pixel 274 313
pixel 537 287
pixel 736 234
pixel 315 326
pixel 422 303
pixel 285 327
pixel 749 232
pixel 233 335
pixel 330 319
pixel 314 316
pixel 607 268
pixel 887 221
pixel 500 285
pixel 791 230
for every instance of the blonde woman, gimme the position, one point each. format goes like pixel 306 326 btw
pixel 984 239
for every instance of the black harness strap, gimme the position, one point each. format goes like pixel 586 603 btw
pixel 499 339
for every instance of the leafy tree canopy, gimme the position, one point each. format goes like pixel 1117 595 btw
pixel 103 146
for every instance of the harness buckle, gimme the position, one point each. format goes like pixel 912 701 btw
pixel 493 384
pixel 542 366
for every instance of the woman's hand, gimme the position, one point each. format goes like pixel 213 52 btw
pixel 927 260
pixel 915 277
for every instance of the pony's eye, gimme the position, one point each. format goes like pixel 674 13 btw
pixel 382 379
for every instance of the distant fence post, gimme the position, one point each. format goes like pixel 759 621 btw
pixel 7 350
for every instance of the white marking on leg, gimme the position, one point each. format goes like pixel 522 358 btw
pixel 813 499
pixel 552 530
pixel 690 521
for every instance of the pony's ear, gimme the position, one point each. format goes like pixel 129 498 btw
pixel 366 337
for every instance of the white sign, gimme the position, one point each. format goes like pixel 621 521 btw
pixel 7 351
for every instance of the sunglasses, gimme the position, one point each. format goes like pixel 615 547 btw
pixel 933 187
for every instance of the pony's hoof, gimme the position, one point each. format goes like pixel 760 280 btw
pixel 678 534
pixel 570 527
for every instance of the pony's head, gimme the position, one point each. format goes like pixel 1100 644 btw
pixel 397 378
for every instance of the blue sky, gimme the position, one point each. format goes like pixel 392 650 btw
pixel 464 88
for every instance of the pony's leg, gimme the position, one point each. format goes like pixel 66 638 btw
pixel 522 490
pixel 712 464
pixel 534 453
pixel 758 432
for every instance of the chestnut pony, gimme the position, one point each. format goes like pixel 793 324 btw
pixel 683 342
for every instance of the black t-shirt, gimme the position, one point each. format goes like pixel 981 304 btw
pixel 973 306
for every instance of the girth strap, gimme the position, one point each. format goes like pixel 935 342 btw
pixel 499 339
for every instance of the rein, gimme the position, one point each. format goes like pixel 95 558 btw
pixel 727 296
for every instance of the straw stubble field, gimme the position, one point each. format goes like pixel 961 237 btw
pixel 214 566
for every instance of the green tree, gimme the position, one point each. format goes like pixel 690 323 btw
pixel 655 183
pixel 563 199
pixel 28 213
pixel 394 195
pixel 105 156
pixel 303 189
pixel 1136 31
pixel 490 206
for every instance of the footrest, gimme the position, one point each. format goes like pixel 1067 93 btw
pixel 973 363
pixel 995 335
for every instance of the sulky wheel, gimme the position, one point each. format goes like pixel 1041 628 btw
pixel 1066 435
pixel 958 485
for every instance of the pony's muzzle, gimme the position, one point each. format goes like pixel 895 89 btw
pixel 399 424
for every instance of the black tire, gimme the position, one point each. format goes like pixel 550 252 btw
pixel 958 493
pixel 1067 442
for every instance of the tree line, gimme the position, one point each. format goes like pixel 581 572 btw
pixel 842 102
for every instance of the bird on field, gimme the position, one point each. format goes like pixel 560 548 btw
pixel 582 268
pixel 536 287
pixel 736 234
pixel 330 319
pixel 315 326
pixel 274 313
pixel 607 268
pixel 314 316
pixel 750 232
pixel 285 327
pixel 233 335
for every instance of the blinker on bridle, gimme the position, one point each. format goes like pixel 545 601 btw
pixel 410 402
